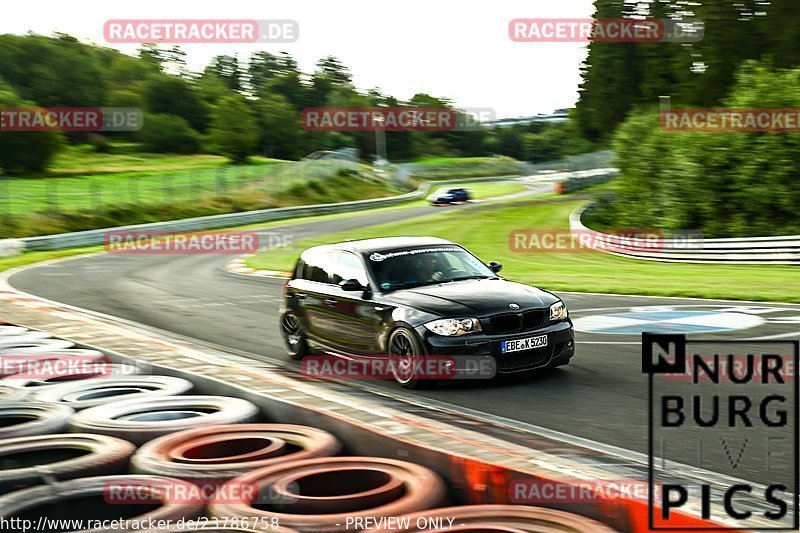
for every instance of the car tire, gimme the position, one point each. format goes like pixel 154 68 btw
pixel 93 493
pixel 142 420
pixel 404 339
pixel 12 393
pixel 101 391
pixel 26 418
pixel 293 337
pixel 13 340
pixel 220 453
pixel 7 329
pixel 31 461
pixel 20 346
pixel 321 494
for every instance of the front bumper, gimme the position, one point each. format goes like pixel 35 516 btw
pixel 560 348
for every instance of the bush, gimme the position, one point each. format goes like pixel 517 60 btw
pixel 25 151
pixel 725 184
pixel 169 134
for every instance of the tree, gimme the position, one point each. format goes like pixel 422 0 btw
pixel 28 151
pixel 291 87
pixel 170 60
pixel 263 67
pixel 334 70
pixel 233 129
pixel 510 141
pixel 176 96
pixel 169 134
pixel 279 132
pixel 53 72
pixel 610 85
pixel 227 69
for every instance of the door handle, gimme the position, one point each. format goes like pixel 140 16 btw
pixel 301 295
pixel 331 302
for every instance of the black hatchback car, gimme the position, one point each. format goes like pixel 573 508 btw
pixel 414 297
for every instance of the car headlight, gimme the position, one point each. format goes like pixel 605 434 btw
pixel 558 311
pixel 453 327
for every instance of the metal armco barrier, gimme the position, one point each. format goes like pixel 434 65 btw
pixel 780 250
pixel 588 178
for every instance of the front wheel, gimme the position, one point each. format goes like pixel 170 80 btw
pixel 296 344
pixel 405 351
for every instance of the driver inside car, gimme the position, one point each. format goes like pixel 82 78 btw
pixel 428 269
pixel 423 269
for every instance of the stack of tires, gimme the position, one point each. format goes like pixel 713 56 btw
pixel 120 451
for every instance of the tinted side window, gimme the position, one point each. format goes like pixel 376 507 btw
pixel 317 267
pixel 299 270
pixel 349 266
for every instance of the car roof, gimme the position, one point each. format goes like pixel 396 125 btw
pixel 383 243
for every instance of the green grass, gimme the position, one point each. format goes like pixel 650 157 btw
pixel 90 181
pixel 485 231
pixel 28 258
pixel 78 161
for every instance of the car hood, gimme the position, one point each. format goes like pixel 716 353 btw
pixel 480 297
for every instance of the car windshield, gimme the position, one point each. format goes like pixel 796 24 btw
pixel 399 269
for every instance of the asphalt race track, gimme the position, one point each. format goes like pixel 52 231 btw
pixel 601 395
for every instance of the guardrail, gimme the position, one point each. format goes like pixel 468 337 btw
pixel 97 236
pixel 779 250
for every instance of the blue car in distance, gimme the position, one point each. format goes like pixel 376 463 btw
pixel 450 196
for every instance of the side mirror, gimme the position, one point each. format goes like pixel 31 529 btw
pixel 351 285
pixel 494 266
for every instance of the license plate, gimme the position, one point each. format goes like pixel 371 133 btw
pixel 523 344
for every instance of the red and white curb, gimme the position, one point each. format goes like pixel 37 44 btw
pixel 239 266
